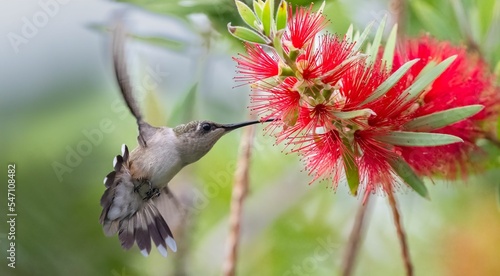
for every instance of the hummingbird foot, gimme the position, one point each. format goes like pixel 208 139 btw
pixel 146 190
pixel 152 193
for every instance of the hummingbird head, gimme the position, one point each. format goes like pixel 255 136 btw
pixel 196 138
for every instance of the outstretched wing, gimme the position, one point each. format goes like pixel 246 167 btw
pixel 123 79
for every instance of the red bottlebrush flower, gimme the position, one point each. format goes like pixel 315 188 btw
pixel 465 82
pixel 322 155
pixel 325 110
pixel 308 64
pixel 328 62
pixel 303 27
pixel 372 157
pixel 280 102
pixel 335 51
pixel 358 83
pixel 374 169
pixel 309 121
pixel 258 65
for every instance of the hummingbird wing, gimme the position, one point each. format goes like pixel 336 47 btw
pixel 123 79
pixel 134 219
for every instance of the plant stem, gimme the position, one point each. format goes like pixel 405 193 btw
pixel 240 189
pixel 401 234
pixel 355 238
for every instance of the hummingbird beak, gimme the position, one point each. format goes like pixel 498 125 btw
pixel 229 127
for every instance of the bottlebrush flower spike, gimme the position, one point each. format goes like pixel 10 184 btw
pixel 466 82
pixel 329 61
pixel 322 155
pixel 303 27
pixel 258 65
pixel 375 122
pixel 281 102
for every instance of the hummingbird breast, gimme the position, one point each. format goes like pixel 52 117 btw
pixel 159 161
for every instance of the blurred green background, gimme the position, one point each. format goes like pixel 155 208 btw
pixel 63 121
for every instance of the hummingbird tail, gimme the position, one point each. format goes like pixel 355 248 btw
pixel 126 213
pixel 145 225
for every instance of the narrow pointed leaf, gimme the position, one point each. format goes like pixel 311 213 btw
pixel 390 81
pixel 161 42
pixel 246 34
pixel 356 36
pixel 267 17
pixel 418 139
pixel 321 8
pixel 347 62
pixel 354 114
pixel 258 6
pixel 281 15
pixel 349 34
pixel 443 118
pixel 351 168
pixel 390 46
pixel 277 44
pixel 247 15
pixel 431 64
pixel 403 170
pixel 360 40
pixel 373 53
pixel 426 79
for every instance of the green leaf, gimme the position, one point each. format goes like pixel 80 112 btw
pixel 354 114
pixel 281 15
pixel 160 41
pixel 321 8
pixel 431 64
pixel 349 34
pixel 390 46
pixel 390 81
pixel 403 170
pixel 418 139
pixel 373 53
pixel 247 15
pixel 246 34
pixel 258 6
pixel 350 167
pixel 356 36
pixel 267 17
pixel 277 44
pixel 344 63
pixel 360 40
pixel 443 118
pixel 422 81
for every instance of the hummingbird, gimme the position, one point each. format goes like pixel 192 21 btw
pixel 138 184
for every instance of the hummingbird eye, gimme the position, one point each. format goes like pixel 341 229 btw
pixel 206 126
